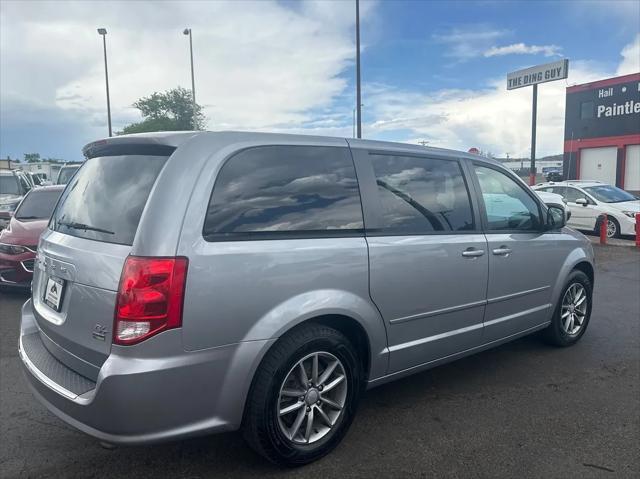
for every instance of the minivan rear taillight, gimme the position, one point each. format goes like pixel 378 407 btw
pixel 150 298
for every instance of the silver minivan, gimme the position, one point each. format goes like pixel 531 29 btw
pixel 198 282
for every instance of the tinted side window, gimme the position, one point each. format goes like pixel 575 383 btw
pixel 421 195
pixel 507 204
pixel 292 190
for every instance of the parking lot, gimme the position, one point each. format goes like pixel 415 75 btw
pixel 524 409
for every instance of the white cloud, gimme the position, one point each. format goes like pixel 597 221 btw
pixel 630 58
pixel 522 49
pixel 258 65
pixel 469 42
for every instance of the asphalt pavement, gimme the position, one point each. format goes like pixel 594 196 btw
pixel 522 410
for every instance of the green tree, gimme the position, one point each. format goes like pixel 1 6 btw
pixel 32 157
pixel 168 111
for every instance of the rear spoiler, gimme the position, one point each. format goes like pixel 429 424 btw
pixel 153 144
pixel 107 148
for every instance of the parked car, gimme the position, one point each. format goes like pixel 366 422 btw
pixel 554 199
pixel 14 184
pixel 19 241
pixel 66 173
pixel 554 175
pixel 198 282
pixel 589 200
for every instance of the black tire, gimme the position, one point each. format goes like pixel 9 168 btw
pixel 260 423
pixel 555 334
pixel 616 225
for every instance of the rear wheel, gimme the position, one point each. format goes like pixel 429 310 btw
pixel 304 396
pixel 573 311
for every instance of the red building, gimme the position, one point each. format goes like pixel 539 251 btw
pixel 602 132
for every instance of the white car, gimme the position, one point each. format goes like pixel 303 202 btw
pixel 589 200
pixel 554 199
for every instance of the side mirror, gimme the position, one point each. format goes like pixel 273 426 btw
pixel 582 201
pixel 555 217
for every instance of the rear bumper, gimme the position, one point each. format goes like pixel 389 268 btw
pixel 159 394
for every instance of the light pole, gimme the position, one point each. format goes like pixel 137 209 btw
pixel 354 121
pixel 358 99
pixel 103 33
pixel 187 31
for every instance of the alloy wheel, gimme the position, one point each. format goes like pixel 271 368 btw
pixel 312 398
pixel 611 229
pixel 574 309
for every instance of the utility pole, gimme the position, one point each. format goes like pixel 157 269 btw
pixel 358 98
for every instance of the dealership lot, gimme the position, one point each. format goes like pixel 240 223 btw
pixel 523 409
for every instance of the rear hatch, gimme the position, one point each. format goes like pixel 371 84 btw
pixel 81 255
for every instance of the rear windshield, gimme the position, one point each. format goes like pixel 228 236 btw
pixel 105 199
pixel 9 185
pixel 38 205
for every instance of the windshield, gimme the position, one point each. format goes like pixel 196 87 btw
pixel 9 185
pixel 609 194
pixel 38 204
pixel 104 201
pixel 66 173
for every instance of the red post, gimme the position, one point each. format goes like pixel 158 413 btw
pixel 638 230
pixel 532 179
pixel 603 228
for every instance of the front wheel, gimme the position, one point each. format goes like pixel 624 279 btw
pixel 613 227
pixel 573 311
pixel 304 396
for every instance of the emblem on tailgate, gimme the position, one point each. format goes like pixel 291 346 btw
pixel 99 332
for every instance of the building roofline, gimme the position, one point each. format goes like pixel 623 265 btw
pixel 604 83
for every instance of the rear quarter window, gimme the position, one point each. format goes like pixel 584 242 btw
pixel 38 204
pixel 105 199
pixel 285 191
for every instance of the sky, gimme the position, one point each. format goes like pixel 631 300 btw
pixel 432 71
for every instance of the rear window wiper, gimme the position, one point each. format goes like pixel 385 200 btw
pixel 28 218
pixel 82 226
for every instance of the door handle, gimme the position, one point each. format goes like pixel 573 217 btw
pixel 502 251
pixel 472 253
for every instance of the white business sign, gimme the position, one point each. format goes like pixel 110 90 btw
pixel 538 74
